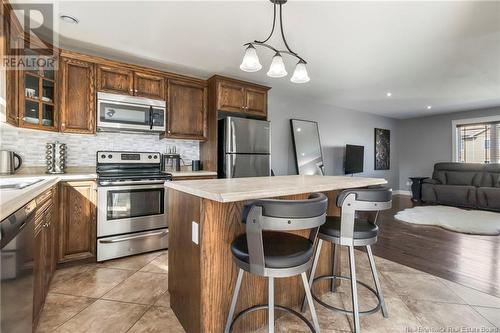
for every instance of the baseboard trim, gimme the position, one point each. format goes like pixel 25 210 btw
pixel 401 192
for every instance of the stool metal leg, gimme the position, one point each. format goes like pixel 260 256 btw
pixel 234 301
pixel 354 290
pixel 378 287
pixel 270 292
pixel 335 248
pixel 313 271
pixel 311 302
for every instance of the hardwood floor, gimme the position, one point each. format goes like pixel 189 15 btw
pixel 470 260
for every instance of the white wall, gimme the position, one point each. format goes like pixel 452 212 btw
pixel 337 127
pixel 424 141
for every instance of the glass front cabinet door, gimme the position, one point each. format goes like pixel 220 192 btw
pixel 37 96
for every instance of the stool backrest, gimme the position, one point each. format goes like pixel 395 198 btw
pixel 364 199
pixel 281 215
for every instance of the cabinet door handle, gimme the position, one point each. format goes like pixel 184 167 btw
pixel 131 90
pixel 136 90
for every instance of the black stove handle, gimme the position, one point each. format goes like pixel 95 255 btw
pixel 151 117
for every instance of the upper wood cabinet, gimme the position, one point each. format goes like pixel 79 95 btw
pixel 239 96
pixel 77 225
pixel 37 91
pixel 78 105
pixel 126 81
pixel 187 110
pixel 256 101
pixel 147 85
pixel 11 80
pixel 230 96
pixel 115 79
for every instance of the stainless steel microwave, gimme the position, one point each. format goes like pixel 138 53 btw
pixel 118 113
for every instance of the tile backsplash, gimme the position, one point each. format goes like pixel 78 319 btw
pixel 30 144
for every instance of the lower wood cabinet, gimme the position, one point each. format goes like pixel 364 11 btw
pixel 45 248
pixel 77 225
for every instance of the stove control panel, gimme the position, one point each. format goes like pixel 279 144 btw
pixel 124 157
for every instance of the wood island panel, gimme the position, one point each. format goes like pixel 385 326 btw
pixel 184 281
pixel 202 277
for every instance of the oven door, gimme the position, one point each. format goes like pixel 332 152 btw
pixel 125 209
pixel 119 115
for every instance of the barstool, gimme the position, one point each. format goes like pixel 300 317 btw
pixel 350 231
pixel 268 249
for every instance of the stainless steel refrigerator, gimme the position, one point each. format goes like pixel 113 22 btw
pixel 244 148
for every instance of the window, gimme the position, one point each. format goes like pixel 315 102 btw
pixel 478 142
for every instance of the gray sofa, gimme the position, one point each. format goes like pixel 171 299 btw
pixel 470 185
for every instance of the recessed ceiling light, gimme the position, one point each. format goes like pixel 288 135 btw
pixel 429 107
pixel 68 18
pixel 389 94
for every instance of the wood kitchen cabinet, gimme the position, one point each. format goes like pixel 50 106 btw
pixel 187 110
pixel 11 77
pixel 77 223
pixel 115 79
pixel 37 92
pixel 238 96
pixel 147 85
pixel 122 80
pixel 45 248
pixel 77 100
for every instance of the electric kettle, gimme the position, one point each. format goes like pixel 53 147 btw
pixel 8 162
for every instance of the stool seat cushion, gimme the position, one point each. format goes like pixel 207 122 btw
pixel 281 250
pixel 362 228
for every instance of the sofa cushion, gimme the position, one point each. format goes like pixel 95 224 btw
pixel 496 180
pixel 463 178
pixel 428 193
pixel 464 196
pixel 488 198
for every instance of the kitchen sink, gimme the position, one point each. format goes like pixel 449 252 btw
pixel 17 184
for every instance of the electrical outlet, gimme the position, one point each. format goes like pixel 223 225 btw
pixel 194 232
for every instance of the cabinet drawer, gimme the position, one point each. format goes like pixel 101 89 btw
pixel 119 246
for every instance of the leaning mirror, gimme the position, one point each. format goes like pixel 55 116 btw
pixel 307 146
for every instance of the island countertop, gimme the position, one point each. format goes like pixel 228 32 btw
pixel 240 189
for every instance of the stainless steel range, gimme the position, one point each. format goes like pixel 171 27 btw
pixel 131 204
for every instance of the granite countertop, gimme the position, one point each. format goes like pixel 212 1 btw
pixel 13 199
pixel 190 173
pixel 72 173
pixel 240 189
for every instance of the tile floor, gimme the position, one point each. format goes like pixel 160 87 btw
pixel 130 295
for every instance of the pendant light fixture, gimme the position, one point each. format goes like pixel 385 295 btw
pixel 277 69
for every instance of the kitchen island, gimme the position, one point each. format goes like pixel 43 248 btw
pixel 204 218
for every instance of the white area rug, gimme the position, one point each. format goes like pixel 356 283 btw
pixel 455 219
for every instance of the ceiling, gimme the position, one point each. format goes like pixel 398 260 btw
pixel 442 54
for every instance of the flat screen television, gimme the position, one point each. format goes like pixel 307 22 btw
pixel 354 158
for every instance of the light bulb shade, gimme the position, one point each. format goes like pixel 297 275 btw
pixel 277 68
pixel 300 73
pixel 250 61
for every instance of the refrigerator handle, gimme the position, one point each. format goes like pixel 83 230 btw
pixel 233 137
pixel 233 167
